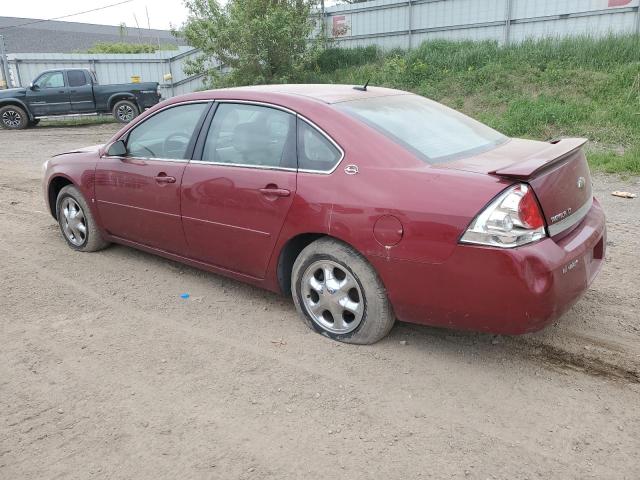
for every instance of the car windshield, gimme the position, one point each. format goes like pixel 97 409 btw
pixel 436 133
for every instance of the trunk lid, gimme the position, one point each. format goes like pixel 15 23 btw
pixel 557 171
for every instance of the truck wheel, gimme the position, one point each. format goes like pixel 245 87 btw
pixel 339 295
pixel 125 110
pixel 13 118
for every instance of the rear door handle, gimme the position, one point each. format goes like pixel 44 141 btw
pixel 275 192
pixel 163 178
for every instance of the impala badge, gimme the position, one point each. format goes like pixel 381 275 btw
pixel 581 182
pixel 351 169
pixel 561 216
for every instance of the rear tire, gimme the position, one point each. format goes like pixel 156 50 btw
pixel 339 295
pixel 76 222
pixel 125 110
pixel 13 118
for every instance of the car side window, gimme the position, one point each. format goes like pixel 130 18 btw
pixel 255 135
pixel 76 78
pixel 167 133
pixel 315 151
pixel 51 80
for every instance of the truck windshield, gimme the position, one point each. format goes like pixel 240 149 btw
pixel 435 133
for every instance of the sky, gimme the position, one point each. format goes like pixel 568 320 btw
pixel 162 13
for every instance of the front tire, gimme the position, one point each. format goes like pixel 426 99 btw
pixel 339 295
pixel 76 222
pixel 13 118
pixel 125 110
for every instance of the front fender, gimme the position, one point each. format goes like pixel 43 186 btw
pixel 17 101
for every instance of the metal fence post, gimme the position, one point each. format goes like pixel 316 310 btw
pixel 507 22
pixel 4 63
pixel 410 21
pixel 638 20
pixel 170 62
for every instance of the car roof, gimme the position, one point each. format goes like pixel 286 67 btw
pixel 327 93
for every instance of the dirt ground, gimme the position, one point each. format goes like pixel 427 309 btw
pixel 105 372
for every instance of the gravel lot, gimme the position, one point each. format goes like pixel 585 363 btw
pixel 105 372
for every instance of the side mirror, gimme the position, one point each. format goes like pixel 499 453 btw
pixel 117 149
pixel 33 86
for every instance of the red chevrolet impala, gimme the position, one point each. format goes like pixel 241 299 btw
pixel 366 205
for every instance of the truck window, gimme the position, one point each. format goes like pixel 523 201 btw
pixel 51 80
pixel 76 78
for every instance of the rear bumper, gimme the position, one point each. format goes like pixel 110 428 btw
pixel 499 291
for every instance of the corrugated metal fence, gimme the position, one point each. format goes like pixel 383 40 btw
pixel 386 23
pixel 113 68
pixel 407 23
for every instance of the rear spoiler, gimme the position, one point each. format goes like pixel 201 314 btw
pixel 530 166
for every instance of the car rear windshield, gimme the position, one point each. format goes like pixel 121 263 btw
pixel 436 133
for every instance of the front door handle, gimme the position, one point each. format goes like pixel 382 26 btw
pixel 274 191
pixel 164 178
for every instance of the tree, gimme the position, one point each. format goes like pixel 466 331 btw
pixel 260 41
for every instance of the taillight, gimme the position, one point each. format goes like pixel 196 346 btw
pixel 511 220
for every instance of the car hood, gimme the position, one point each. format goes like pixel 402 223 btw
pixel 13 92
pixel 92 148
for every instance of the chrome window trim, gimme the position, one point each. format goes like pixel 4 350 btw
pixel 166 107
pixel 573 219
pixel 259 103
pixel 149 159
pixel 301 117
pixel 244 165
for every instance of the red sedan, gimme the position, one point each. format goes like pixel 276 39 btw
pixel 366 205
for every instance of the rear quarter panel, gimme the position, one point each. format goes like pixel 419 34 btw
pixel 434 205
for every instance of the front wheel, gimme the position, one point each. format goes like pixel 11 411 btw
pixel 76 222
pixel 339 295
pixel 125 110
pixel 13 118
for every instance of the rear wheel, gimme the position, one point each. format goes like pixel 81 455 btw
pixel 77 225
pixel 125 110
pixel 13 118
pixel 339 294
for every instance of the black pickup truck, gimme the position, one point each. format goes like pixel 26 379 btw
pixel 69 91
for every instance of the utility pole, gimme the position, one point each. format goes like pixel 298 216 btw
pixel 4 61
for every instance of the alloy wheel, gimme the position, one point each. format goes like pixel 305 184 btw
pixel 11 118
pixel 74 223
pixel 332 297
pixel 125 113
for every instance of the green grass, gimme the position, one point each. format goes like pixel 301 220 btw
pixel 76 121
pixel 126 47
pixel 537 89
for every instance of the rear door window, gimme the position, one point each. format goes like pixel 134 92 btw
pixel 315 151
pixel 251 135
